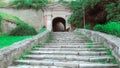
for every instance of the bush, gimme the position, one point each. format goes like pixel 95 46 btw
pixel 88 26
pixel 109 28
pixel 23 30
pixel 98 28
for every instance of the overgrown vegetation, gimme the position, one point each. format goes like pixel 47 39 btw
pixel 113 10
pixel 109 28
pixel 10 17
pixel 3 4
pixel 42 30
pixel 8 40
pixel 22 28
pixel 34 4
pixel 79 8
pixel 0 23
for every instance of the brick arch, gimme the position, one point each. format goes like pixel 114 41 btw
pixel 58 24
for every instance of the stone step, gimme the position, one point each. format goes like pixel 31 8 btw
pixel 67 37
pixel 32 66
pixel 72 46
pixel 67 64
pixel 82 41
pixel 82 53
pixel 71 58
pixel 70 49
pixel 28 66
pixel 67 40
pixel 65 33
pixel 94 43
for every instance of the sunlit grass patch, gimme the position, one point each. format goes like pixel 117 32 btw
pixel 8 40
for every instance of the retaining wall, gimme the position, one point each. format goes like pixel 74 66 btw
pixel 30 16
pixel 111 42
pixel 8 54
pixel 7 26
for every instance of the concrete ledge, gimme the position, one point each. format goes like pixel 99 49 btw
pixel 112 42
pixel 8 54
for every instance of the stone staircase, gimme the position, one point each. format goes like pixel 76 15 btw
pixel 67 50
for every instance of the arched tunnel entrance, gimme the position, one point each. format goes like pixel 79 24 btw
pixel 59 24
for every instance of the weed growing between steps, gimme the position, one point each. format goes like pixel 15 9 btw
pixel 22 56
pixel 89 46
pixel 109 53
pixel 86 38
pixel 48 39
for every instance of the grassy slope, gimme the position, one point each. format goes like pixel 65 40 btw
pixel 9 17
pixel 41 30
pixel 3 4
pixel 8 40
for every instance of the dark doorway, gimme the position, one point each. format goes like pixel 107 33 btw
pixel 59 25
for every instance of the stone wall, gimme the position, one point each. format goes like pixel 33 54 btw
pixel 7 26
pixel 30 16
pixel 112 42
pixel 8 54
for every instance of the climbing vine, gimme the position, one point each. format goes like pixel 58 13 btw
pixel 35 4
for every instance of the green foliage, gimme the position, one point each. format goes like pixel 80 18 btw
pixel 89 46
pixel 87 26
pixel 78 7
pixel 8 40
pixel 113 10
pixel 23 30
pixel 0 23
pixel 42 30
pixel 10 17
pixel 35 4
pixel 3 4
pixel 110 28
pixel 99 28
pixel 109 52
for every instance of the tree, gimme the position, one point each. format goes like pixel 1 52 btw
pixel 113 10
pixel 79 8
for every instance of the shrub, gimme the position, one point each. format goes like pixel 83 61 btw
pixel 23 30
pixel 109 28
pixel 88 26
pixel 98 28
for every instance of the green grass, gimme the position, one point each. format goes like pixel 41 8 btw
pixel 3 4
pixel 41 30
pixel 10 17
pixel 8 40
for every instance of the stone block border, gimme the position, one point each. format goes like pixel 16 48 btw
pixel 112 42
pixel 8 54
